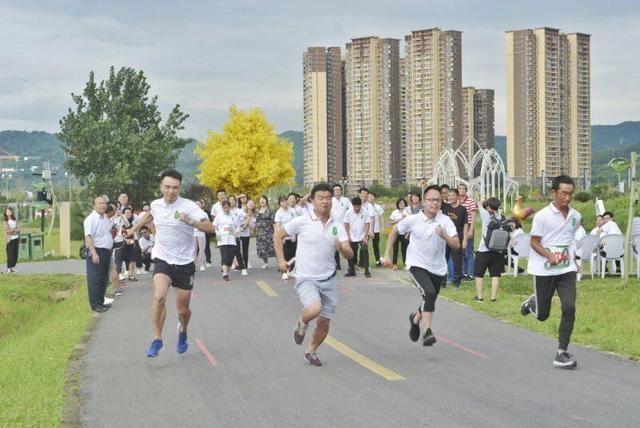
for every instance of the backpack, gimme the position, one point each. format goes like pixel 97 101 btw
pixel 497 238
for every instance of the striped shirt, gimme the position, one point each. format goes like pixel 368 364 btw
pixel 470 205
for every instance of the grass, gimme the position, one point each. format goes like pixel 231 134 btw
pixel 42 317
pixel 607 315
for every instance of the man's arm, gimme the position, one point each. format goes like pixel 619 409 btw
pixel 95 258
pixel 465 233
pixel 452 241
pixel 472 224
pixel 345 249
pixel 146 219
pixel 347 228
pixel 203 225
pixel 367 228
pixel 278 245
pixel 390 240
pixel 537 246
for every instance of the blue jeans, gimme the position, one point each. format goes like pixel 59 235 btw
pixel 467 259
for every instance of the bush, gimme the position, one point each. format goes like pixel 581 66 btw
pixel 582 196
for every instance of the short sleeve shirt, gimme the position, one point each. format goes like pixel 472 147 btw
pixel 458 216
pixel 99 228
pixel 426 249
pixel 339 207
pixel 174 241
pixel 378 211
pixel 557 235
pixel 216 209
pixel 470 205
pixel 357 223
pixel 225 226
pixel 316 245
pixel 284 216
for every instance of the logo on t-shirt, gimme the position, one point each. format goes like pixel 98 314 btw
pixel 176 215
pixel 335 231
pixel 573 222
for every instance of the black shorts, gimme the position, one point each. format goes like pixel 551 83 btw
pixel 181 275
pixel 227 253
pixel 491 260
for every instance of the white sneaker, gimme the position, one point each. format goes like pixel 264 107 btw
pixel 138 272
pixel 249 266
pixel 107 300
pixel 264 266
pixel 244 272
pixel 208 264
pixel 202 268
pixel 145 272
pixel 292 273
pixel 126 273
pixel 122 276
pixel 285 276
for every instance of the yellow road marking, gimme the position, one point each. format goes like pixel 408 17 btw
pixel 267 290
pixel 362 360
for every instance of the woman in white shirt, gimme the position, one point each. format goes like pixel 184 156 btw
pixel 225 226
pixel 282 217
pixel 401 241
pixel 247 222
pixel 199 237
pixel 12 238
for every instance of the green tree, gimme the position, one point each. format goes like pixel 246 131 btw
pixel 114 139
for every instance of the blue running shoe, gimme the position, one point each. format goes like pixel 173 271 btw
pixel 155 347
pixel 182 345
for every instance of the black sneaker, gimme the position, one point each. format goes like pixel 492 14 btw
pixel 428 338
pixel 350 273
pixel 225 277
pixel 414 331
pixel 313 359
pixel 367 274
pixel 528 306
pixel 565 360
pixel 477 299
pixel 338 267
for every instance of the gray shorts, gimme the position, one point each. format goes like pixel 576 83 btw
pixel 310 290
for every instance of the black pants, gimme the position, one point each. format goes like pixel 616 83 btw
pixel 401 241
pixel 362 259
pixel 456 257
pixel 138 256
pixel 289 249
pixel 207 246
pixel 337 259
pixel 244 249
pixel 544 287
pixel 146 261
pixel 429 286
pixel 376 245
pixel 238 255
pixel 12 253
pixel 98 277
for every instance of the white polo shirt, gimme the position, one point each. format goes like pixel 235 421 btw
pixel 225 225
pixel 216 209
pixel 339 207
pixel 557 235
pixel 99 228
pixel 378 211
pixel 610 228
pixel 146 244
pixel 174 242
pixel 284 216
pixel 316 245
pixel 426 249
pixel 357 223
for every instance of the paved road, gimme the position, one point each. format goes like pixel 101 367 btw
pixel 73 266
pixel 242 368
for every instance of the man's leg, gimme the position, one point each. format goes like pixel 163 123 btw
pixel 376 246
pixel 105 268
pixel 183 297
pixel 566 286
pixel 467 262
pixel 93 284
pixel 543 288
pixel 320 333
pixel 429 287
pixel 364 255
pixel 161 283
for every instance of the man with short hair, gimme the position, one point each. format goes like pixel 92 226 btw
pixel 173 254
pixel 487 259
pixel 356 224
pixel 217 207
pixel 146 242
pixel 467 256
pixel 378 225
pixel 458 215
pixel 553 266
pixel 367 208
pixel 99 241
pixel 339 206
pixel 431 232
pixel 319 235
pixel 445 189
pixel 609 227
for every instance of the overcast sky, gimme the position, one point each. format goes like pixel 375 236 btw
pixel 207 55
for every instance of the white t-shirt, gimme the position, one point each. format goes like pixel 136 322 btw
pixel 579 234
pixel 284 216
pixel 558 236
pixel 245 231
pixel 426 249
pixel 117 222
pixel 610 228
pixel 99 228
pixel 485 217
pixel 174 241
pixel 216 209
pixel 339 207
pixel 378 211
pixel 316 245
pixel 357 223
pixel 397 215
pixel 13 225
pixel 225 225
pixel 146 244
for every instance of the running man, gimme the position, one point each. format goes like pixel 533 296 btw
pixel 431 232
pixel 173 254
pixel 319 235
pixel 553 265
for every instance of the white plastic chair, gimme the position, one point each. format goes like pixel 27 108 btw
pixel 611 249
pixel 635 226
pixel 521 245
pixel 586 250
pixel 635 246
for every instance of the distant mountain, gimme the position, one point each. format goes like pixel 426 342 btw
pixel 297 139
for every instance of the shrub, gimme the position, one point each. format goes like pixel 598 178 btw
pixel 582 196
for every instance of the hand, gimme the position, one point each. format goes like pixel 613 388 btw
pixel 553 259
pixel 95 258
pixel 470 234
pixel 386 261
pixel 128 233
pixel 440 232
pixel 283 265
pixel 183 217
pixel 365 240
pixel 464 244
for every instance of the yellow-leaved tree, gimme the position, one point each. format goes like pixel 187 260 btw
pixel 248 156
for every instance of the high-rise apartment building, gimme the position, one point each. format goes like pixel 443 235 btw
pixel 477 119
pixel 323 118
pixel 548 104
pixel 372 93
pixel 404 82
pixel 434 98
